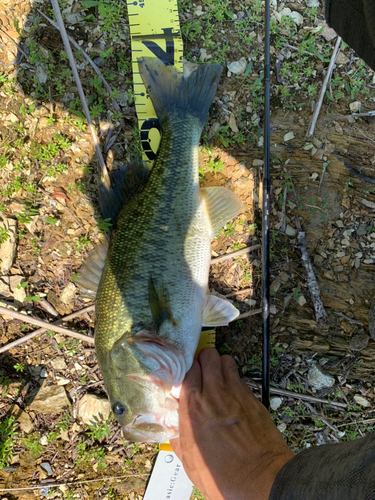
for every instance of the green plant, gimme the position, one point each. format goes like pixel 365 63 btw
pixel 4 234
pixel 7 440
pixel 100 429
pixel 19 367
pixel 104 225
pixel 32 443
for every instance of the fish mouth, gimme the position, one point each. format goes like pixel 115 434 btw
pixel 148 429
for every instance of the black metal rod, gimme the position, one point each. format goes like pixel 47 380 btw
pixel 266 219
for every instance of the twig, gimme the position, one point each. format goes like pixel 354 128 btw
pixel 296 48
pixel 48 326
pixel 72 483
pixel 73 66
pixel 368 421
pixel 318 415
pixel 30 335
pixel 238 292
pixel 249 313
pixel 64 207
pixel 353 115
pixel 296 395
pixel 310 130
pixel 235 254
pixel 312 284
pixel 350 320
pixel 13 41
pixel 283 224
pixel 89 60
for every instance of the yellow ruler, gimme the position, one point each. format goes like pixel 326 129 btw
pixel 155 32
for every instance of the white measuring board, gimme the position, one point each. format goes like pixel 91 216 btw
pixel 168 479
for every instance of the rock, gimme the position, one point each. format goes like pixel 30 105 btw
pixel 17 290
pixel 23 418
pixel 318 379
pixel 361 401
pixel 296 16
pixel 4 286
pixel 44 440
pixel 204 56
pixel 58 363
pixel 312 3
pixel 43 373
pixel 233 124
pixel 301 300
pixel 362 229
pixel 11 118
pixel 341 59
pixel 355 107
pixel 290 231
pixel 199 11
pixel 41 74
pixel 289 136
pixel 282 427
pixel 238 67
pixel 48 399
pixel 90 406
pixel 67 295
pixel 8 248
pixel 359 342
pixel 275 403
pixel 258 163
pixel 47 467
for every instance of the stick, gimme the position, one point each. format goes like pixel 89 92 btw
pixel 318 415
pixel 354 115
pixel 312 284
pixel 296 395
pixel 350 320
pixel 238 292
pixel 47 326
pixel 72 483
pixel 13 41
pixel 249 313
pixel 89 60
pixel 235 254
pixel 310 130
pixel 73 66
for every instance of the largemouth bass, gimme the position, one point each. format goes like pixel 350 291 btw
pixel 151 301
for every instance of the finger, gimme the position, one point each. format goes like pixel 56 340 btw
pixel 230 370
pixel 176 447
pixel 212 373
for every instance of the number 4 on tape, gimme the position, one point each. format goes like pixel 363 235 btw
pixel 168 480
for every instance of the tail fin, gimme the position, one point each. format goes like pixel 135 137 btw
pixel 173 93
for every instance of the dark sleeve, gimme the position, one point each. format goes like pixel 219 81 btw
pixel 354 21
pixel 344 471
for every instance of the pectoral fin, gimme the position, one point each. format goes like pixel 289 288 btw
pixel 91 271
pixel 222 205
pixel 159 303
pixel 217 312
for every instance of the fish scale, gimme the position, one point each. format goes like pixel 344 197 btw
pixel 151 296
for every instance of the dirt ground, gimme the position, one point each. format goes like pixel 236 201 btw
pixel 49 176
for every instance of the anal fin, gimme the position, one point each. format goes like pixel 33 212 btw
pixel 217 312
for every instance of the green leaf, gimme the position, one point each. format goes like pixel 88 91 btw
pixel 89 3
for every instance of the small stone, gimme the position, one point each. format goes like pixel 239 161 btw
pixel 301 300
pixel 312 3
pixel 318 379
pixel 23 418
pixel 48 399
pixel 275 403
pixel 359 342
pixel 17 290
pixel 273 309
pixel 41 74
pixel 258 163
pixel 361 401
pixel 233 124
pixel 341 59
pixel 362 230
pixel 289 136
pixel 44 440
pixel 43 373
pixel 90 406
pixel 67 295
pixel 47 467
pixel 290 231
pixel 238 67
pixel 62 381
pixel 58 363
pixel 199 11
pixel 204 56
pixel 296 16
pixel 355 107
pixel 11 118
pixel 282 427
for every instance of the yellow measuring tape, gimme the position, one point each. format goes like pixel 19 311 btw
pixel 155 32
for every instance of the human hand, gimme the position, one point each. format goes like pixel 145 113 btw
pixel 228 444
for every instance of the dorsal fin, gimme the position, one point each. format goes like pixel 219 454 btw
pixel 222 205
pixel 125 183
pixel 91 271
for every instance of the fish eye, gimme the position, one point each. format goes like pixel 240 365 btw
pixel 119 409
